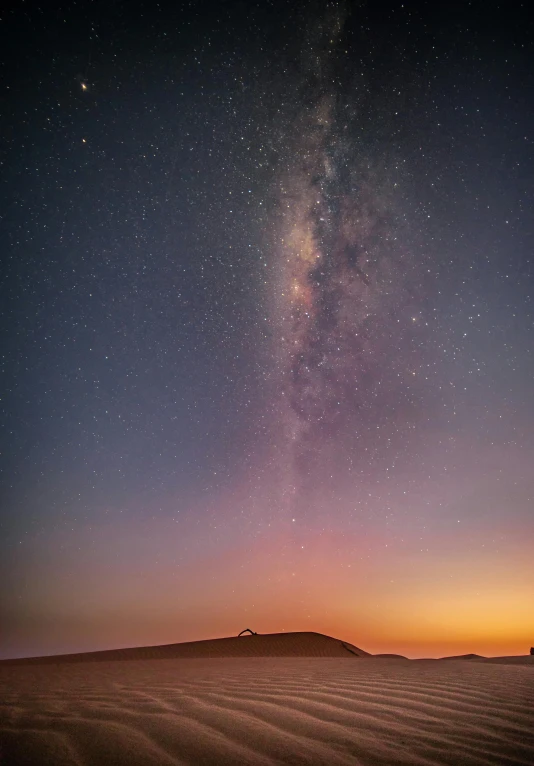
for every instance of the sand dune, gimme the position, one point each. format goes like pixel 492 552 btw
pixel 267 710
pixel 519 659
pixel 465 657
pixel 303 644
pixel 524 659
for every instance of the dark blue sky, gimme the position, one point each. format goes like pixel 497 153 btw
pixel 267 277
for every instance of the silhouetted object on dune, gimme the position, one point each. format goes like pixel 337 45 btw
pixel 247 630
pixel 532 649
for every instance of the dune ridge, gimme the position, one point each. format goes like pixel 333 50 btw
pixel 297 644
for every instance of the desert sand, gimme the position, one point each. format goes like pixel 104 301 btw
pixel 316 708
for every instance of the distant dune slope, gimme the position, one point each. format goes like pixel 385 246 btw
pixel 465 657
pixel 519 659
pixel 304 644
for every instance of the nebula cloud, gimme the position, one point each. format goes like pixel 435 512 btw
pixel 341 271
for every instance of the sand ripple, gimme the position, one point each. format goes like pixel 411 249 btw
pixel 267 711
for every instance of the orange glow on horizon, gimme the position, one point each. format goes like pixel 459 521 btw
pixel 335 584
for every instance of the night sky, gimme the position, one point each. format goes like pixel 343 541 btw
pixel 267 324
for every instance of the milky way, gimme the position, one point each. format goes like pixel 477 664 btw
pixel 343 272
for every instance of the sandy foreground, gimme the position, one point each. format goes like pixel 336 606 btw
pixel 267 710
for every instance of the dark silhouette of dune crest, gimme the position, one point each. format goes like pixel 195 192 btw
pixel 302 644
